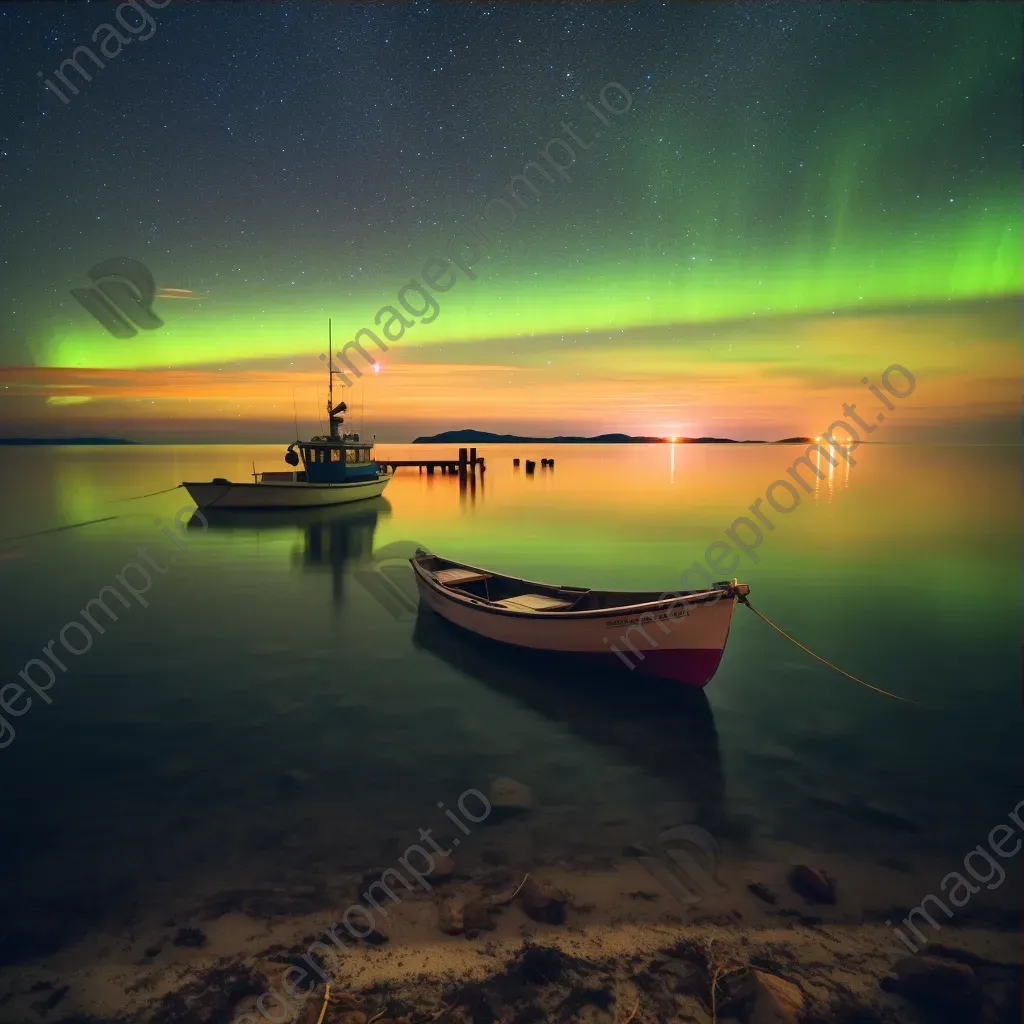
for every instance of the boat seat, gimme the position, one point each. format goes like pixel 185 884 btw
pixel 456 577
pixel 533 603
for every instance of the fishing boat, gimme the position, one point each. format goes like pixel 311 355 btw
pixel 337 468
pixel 679 637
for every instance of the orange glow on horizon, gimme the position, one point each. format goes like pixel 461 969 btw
pixel 965 368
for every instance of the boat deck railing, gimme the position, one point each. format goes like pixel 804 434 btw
pixel 294 476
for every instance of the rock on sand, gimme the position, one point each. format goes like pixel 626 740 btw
pixel 813 884
pixel 509 797
pixel 775 1000
pixel 937 985
pixel 543 902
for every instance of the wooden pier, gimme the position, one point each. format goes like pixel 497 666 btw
pixel 467 463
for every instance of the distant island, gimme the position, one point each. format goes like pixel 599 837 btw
pixel 485 437
pixel 65 440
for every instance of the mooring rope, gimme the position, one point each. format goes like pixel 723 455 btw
pixel 842 672
pixel 323 1009
pixel 152 494
pixel 58 529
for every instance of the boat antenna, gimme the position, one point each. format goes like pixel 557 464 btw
pixel 295 413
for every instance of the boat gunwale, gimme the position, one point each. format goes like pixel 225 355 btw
pixel 699 597
pixel 285 483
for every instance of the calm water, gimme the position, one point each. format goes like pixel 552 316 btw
pixel 278 713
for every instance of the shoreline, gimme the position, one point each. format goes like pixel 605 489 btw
pixel 615 932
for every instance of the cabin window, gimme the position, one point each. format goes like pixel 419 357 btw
pixel 335 455
pixel 350 455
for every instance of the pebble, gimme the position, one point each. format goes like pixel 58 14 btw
pixel 444 867
pixel 194 938
pixel 477 918
pixel 450 917
pixel 509 796
pixel 776 1001
pixel 937 985
pixel 544 902
pixel 762 892
pixel 813 884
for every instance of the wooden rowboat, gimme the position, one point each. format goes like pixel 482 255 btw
pixel 677 635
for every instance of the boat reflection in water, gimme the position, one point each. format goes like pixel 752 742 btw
pixel 666 729
pixel 335 538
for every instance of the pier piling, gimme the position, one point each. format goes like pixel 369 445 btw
pixel 467 462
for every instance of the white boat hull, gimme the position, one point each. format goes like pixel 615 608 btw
pixel 282 494
pixel 683 641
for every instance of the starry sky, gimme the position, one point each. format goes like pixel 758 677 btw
pixel 769 203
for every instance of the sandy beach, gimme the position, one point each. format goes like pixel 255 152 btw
pixel 549 942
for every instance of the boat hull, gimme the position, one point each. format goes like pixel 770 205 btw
pixel 210 495
pixel 694 666
pixel 668 641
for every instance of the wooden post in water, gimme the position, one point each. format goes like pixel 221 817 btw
pixel 472 459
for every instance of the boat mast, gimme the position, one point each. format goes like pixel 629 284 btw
pixel 332 409
pixel 330 376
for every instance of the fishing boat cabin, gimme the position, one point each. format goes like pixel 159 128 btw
pixel 334 460
pixel 338 457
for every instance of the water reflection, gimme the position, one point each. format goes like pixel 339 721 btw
pixel 344 540
pixel 468 485
pixel 830 456
pixel 334 538
pixel 665 729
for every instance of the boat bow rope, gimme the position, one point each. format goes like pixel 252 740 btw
pixel 764 618
pixel 136 497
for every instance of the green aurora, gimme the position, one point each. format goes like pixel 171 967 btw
pixel 892 182
pixel 976 258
